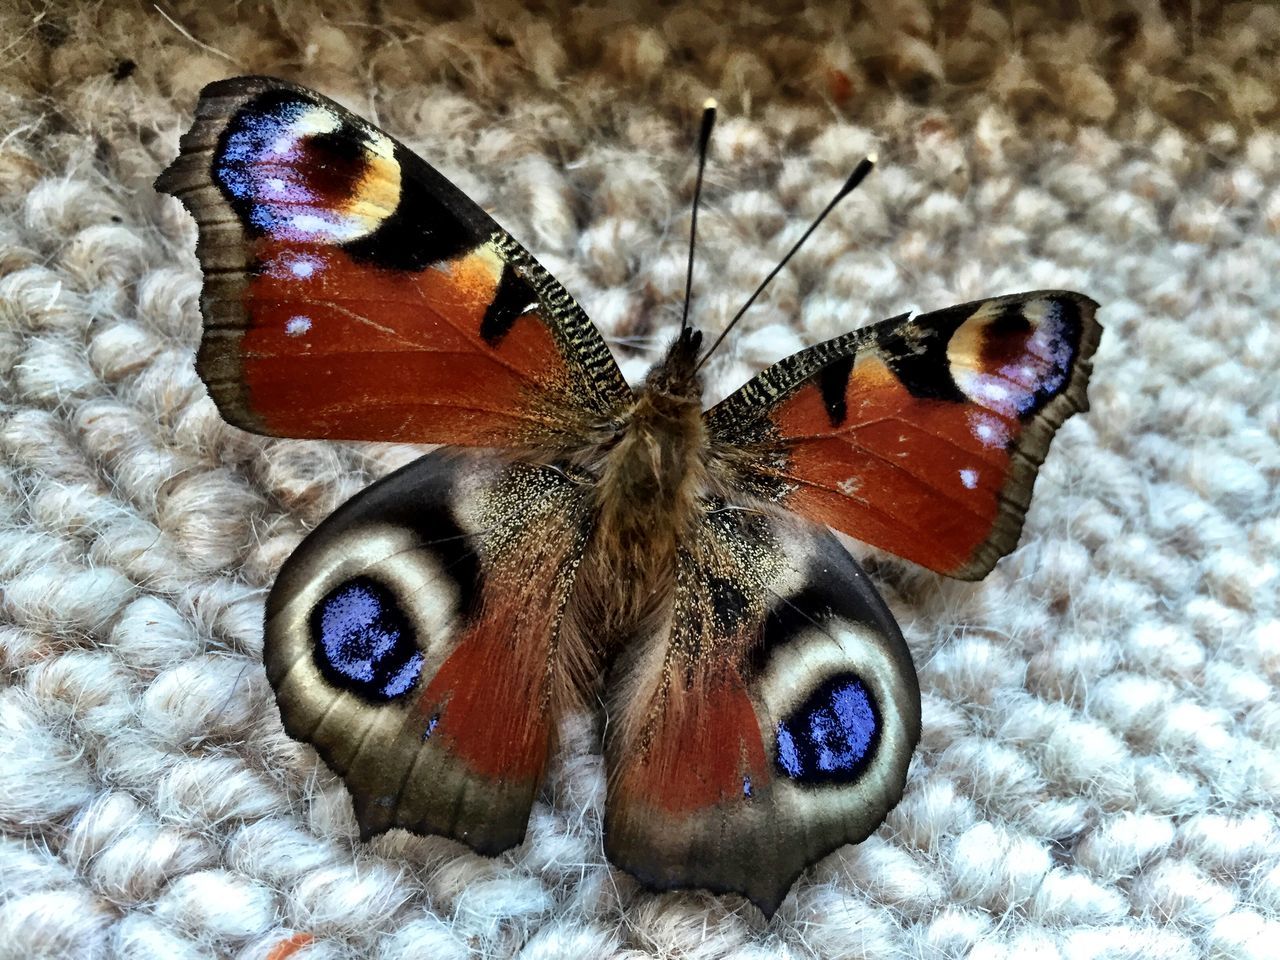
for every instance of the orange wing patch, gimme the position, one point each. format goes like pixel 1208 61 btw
pixel 339 350
pixel 907 474
pixel 704 750
pixel 484 704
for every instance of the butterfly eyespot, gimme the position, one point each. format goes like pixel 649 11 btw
pixel 363 641
pixel 832 736
pixel 299 171
pixel 1015 360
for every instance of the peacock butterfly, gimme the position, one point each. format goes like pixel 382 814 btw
pixel 579 538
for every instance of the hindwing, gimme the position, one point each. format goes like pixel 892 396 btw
pixel 770 720
pixel 413 639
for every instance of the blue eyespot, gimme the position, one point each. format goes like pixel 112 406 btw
pixel 363 642
pixel 252 139
pixel 831 737
pixel 285 177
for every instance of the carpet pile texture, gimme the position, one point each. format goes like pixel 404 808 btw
pixel 1101 753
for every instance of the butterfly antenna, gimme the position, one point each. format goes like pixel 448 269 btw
pixel 704 138
pixel 859 174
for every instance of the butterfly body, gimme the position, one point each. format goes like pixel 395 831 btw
pixel 580 541
pixel 649 481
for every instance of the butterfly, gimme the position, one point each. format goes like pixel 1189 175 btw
pixel 578 540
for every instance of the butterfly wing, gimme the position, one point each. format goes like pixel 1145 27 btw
pixel 768 722
pixel 351 291
pixel 412 639
pixel 921 436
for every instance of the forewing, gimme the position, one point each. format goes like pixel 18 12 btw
pixel 412 639
pixel 920 436
pixel 351 291
pixel 768 722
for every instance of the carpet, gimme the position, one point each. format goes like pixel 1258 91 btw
pixel 1101 751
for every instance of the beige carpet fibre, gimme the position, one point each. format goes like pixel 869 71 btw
pixel 1100 764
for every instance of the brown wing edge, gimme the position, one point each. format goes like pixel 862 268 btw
pixel 221 246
